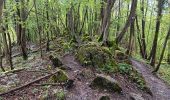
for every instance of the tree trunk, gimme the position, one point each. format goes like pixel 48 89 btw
pixel 131 18
pixel 154 46
pixel 168 51
pixel 163 50
pixel 38 27
pixel 106 21
pixel 1 54
pixel 48 19
pixel 131 39
pixel 143 31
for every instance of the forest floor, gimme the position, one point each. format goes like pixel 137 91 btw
pixel 35 65
pixel 159 88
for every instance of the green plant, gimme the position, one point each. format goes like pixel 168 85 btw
pixel 125 68
pixel 60 95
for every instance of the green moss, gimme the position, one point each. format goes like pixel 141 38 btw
pixel 92 54
pixel 61 76
pixel 60 95
pixel 3 88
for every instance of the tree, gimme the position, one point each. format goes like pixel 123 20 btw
pixel 168 51
pixel 1 53
pixel 153 52
pixel 143 40
pixel 106 16
pixel 130 20
pixel 163 50
pixel 20 27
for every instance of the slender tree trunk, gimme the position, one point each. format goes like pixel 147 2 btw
pixel 38 27
pixel 168 51
pixel 106 21
pixel 48 19
pixel 106 16
pixel 1 30
pixel 163 50
pixel 143 31
pixel 131 18
pixel 154 46
pixel 131 39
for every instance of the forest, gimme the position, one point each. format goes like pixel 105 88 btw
pixel 84 49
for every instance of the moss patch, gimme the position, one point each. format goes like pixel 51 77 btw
pixel 61 76
pixel 94 55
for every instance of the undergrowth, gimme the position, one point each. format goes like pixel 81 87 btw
pixel 164 72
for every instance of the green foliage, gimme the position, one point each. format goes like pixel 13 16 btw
pixel 164 72
pixel 60 95
pixel 134 76
pixel 125 68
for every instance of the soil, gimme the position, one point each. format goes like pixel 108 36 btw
pixel 81 89
pixel 160 90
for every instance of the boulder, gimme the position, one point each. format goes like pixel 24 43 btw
pixel 103 82
pixel 96 56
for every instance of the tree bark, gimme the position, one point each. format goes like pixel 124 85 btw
pixel 131 18
pixel 163 50
pixel 143 30
pixel 1 54
pixel 106 21
pixel 154 46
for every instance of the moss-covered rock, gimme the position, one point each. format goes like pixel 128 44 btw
pixel 119 55
pixel 61 76
pixel 55 61
pixel 103 82
pixel 92 54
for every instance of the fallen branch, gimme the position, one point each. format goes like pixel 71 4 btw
pixel 52 84
pixel 39 71
pixel 28 84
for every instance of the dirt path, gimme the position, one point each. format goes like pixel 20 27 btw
pixel 160 90
pixel 81 90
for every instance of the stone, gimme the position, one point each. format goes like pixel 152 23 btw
pixel 103 82
pixel 96 56
pixel 134 96
pixel 105 98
